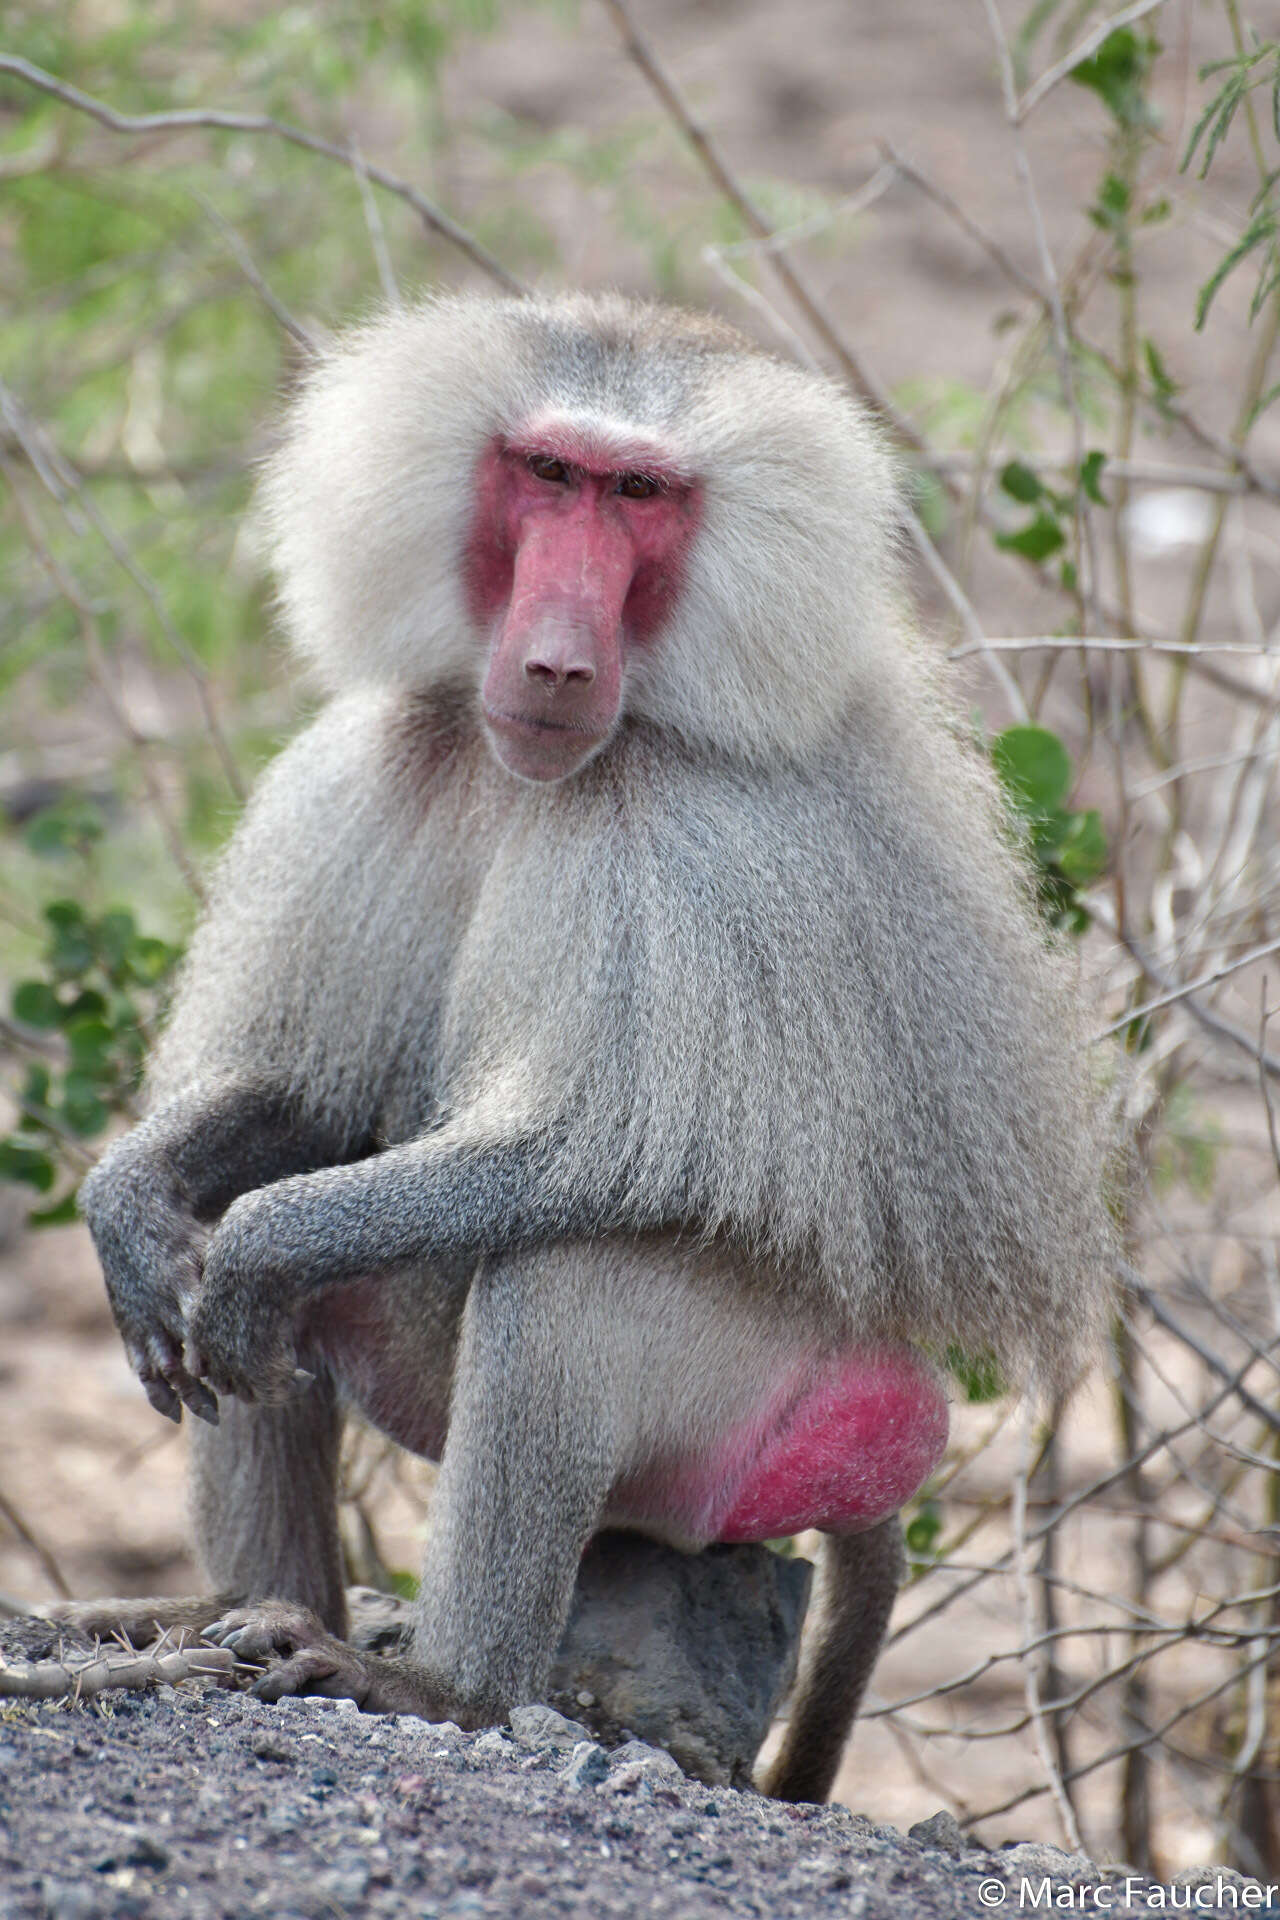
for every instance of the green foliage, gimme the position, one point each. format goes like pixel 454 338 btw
pixel 978 1374
pixel 1243 72
pixel 1240 76
pixel 1164 388
pixel 1260 232
pixel 1047 531
pixel 1068 847
pixel 85 1018
pixel 1118 73
pixel 922 1530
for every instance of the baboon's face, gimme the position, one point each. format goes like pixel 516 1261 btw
pixel 575 560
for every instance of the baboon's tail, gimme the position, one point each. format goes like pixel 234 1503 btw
pixel 859 1576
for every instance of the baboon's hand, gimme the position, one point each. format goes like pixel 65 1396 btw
pixel 241 1325
pixel 151 1251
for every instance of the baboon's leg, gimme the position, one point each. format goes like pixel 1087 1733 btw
pixel 263 1493
pixel 858 1580
pixel 264 1511
pixel 532 1449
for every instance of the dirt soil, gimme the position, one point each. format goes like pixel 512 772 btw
pixel 205 1803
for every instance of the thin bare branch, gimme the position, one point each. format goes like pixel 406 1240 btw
pixel 855 372
pixel 183 119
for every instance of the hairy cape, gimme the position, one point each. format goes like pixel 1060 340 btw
pixel 767 968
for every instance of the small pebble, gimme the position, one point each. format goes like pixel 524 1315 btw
pixel 544 1727
pixel 588 1765
pixel 941 1830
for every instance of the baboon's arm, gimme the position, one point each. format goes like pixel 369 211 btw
pixel 150 1203
pixel 430 1200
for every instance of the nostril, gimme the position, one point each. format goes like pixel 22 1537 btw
pixel 551 675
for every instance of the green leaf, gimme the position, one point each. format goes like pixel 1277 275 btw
pixel 1218 115
pixel 1021 483
pixel 1034 767
pixel 81 1109
pixel 1091 475
pixel 68 827
pixel 1165 387
pixel 35 1004
pixel 70 951
pixel 1111 209
pixel 113 935
pixel 1117 72
pixel 1036 541
pixel 35 1088
pixel 1272 394
pixel 1082 854
pixel 148 960
pixel 979 1374
pixel 1261 228
pixel 63 1213
pixel 402 1583
pixel 65 916
pixel 29 1165
pixel 89 1040
pixel 87 1001
pixel 922 1530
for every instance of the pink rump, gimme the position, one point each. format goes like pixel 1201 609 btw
pixel 865 1436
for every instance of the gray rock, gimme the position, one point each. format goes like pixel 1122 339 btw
pixel 346 1884
pixel 639 1751
pixel 1032 1857
pixel 67 1900
pixel 941 1830
pixel 588 1765
pixel 690 1651
pixel 1219 1881
pixel 544 1727
pixel 144 1850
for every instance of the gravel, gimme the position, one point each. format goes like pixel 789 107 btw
pixel 202 1802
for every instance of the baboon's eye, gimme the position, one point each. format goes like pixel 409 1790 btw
pixel 637 486
pixel 544 467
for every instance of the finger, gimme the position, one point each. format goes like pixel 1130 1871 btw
pixel 306 1672
pixel 248 1639
pixel 162 1397
pixel 165 1354
pixel 217 1630
pixel 198 1399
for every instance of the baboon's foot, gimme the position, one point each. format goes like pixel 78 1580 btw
pixel 300 1656
pixel 142 1622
